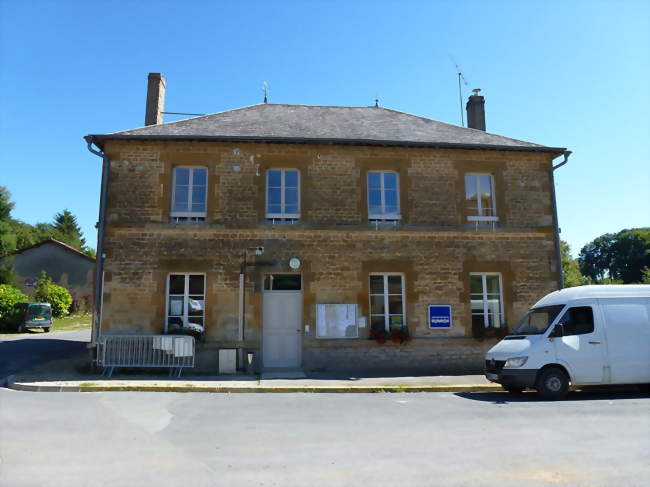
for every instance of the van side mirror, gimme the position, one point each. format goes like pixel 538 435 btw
pixel 558 331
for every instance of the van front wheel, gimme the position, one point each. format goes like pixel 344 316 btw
pixel 552 384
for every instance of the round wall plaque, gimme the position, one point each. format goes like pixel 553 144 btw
pixel 294 263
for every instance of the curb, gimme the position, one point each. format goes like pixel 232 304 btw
pixel 31 387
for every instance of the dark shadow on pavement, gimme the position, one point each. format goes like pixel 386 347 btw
pixel 600 394
pixel 20 354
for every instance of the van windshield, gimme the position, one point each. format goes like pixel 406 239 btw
pixel 537 320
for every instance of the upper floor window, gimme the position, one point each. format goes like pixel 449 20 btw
pixel 383 196
pixel 486 295
pixel 283 194
pixel 479 197
pixel 387 302
pixel 189 195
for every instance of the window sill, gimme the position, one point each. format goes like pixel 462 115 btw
pixel 483 219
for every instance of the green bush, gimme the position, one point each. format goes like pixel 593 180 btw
pixel 9 296
pixel 59 297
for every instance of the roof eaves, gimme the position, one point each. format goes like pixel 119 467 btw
pixel 98 138
pixel 52 240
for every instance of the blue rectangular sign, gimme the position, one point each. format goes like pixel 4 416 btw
pixel 439 316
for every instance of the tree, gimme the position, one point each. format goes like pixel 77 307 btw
pixel 66 229
pixel 59 297
pixel 7 272
pixel 570 268
pixel 620 257
pixel 6 205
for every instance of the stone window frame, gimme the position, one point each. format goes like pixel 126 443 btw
pixel 386 295
pixel 383 217
pixel 282 217
pixel 493 207
pixel 502 314
pixel 186 296
pixel 189 216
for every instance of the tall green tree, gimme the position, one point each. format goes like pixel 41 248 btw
pixel 6 205
pixel 66 229
pixel 619 256
pixel 570 267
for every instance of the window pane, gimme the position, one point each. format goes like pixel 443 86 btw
pixel 391 200
pixel 199 177
pixel 475 284
pixel 395 305
pixel 180 198
pixel 274 179
pixel 578 321
pixel 198 196
pixel 390 180
pixel 176 284
pixel 287 282
pixel 291 210
pixel 291 196
pixel 376 284
pixel 378 323
pixel 470 187
pixel 291 179
pixel 395 285
pixel 492 284
pixel 374 201
pixel 275 209
pixel 175 306
pixel 197 284
pixel 182 176
pixel 396 322
pixel 275 196
pixel 196 320
pixel 195 306
pixel 477 305
pixel 377 305
pixel 374 180
pixel 486 194
pixel 478 321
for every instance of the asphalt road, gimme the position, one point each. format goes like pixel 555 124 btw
pixel 419 439
pixel 29 349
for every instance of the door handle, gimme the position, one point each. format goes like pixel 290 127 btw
pixel 594 343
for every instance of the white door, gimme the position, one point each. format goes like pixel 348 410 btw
pixel 282 329
pixel 582 347
pixel 628 338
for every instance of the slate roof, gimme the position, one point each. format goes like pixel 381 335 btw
pixel 324 124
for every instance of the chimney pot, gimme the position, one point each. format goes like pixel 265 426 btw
pixel 476 111
pixel 155 99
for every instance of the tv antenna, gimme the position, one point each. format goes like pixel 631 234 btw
pixel 265 89
pixel 460 90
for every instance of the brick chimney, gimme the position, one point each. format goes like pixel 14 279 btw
pixel 476 111
pixel 155 99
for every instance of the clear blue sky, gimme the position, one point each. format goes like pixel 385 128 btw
pixel 570 74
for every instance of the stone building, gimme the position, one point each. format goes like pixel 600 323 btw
pixel 65 265
pixel 308 235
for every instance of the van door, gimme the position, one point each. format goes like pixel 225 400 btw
pixel 628 338
pixel 582 348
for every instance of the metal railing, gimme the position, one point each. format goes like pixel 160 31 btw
pixel 134 350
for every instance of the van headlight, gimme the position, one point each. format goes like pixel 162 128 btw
pixel 516 361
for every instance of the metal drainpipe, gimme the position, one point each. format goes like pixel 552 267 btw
pixel 99 268
pixel 558 254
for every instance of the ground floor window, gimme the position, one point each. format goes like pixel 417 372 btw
pixel 387 302
pixel 186 302
pixel 486 294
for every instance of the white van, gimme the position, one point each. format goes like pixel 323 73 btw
pixel 587 335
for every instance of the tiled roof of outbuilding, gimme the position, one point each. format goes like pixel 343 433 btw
pixel 325 124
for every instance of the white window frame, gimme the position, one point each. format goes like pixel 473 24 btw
pixel 485 300
pixel 480 217
pixel 386 295
pixel 186 296
pixel 189 215
pixel 383 216
pixel 282 215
